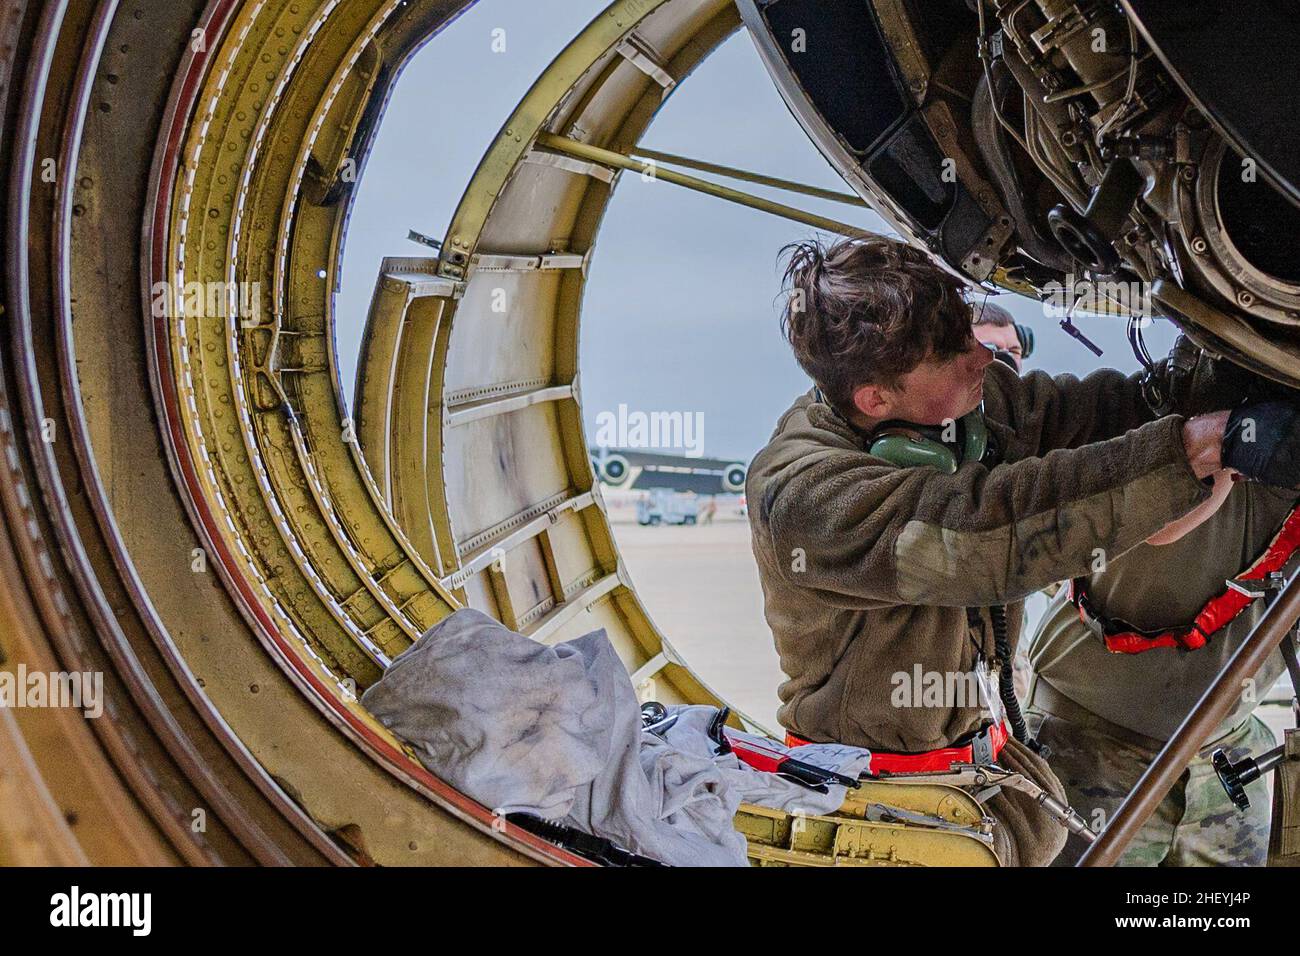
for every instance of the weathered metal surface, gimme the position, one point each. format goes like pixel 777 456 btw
pixel 203 529
pixel 186 507
pixel 777 838
pixel 208 751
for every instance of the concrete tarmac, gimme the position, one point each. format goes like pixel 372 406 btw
pixel 700 585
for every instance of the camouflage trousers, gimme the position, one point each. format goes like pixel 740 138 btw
pixel 1195 825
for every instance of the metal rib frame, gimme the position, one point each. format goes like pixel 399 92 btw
pixel 188 507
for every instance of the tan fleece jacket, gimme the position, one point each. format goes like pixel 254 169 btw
pixel 867 568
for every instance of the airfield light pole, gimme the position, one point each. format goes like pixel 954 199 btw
pixel 1215 704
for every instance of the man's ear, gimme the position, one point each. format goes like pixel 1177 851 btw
pixel 874 402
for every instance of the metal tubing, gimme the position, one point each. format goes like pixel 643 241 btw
pixel 607 157
pixel 745 175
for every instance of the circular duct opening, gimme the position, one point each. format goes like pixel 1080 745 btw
pixel 1260 223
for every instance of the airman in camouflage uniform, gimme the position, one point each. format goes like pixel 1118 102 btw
pixel 1106 716
pixel 1195 825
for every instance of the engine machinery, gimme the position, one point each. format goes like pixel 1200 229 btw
pixel 1144 151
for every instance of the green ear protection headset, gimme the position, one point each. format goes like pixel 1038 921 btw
pixel 909 446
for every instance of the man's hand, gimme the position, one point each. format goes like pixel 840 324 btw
pixel 1203 442
pixel 1262 441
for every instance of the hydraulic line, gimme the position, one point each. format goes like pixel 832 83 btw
pixel 1006 677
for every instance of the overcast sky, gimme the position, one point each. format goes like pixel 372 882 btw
pixel 681 306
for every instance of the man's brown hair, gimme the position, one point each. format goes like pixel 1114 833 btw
pixel 990 313
pixel 868 311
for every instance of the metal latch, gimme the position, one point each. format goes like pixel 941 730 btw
pixel 1255 588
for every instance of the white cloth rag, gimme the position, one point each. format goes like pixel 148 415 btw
pixel 556 732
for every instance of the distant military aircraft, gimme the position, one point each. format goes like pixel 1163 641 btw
pixel 631 469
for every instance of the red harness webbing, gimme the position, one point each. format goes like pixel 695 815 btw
pixel 1218 612
pixel 931 761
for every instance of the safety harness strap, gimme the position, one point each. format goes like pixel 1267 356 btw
pixel 1121 637
pixel 983 749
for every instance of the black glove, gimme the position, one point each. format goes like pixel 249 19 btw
pixel 1262 441
pixel 1193 383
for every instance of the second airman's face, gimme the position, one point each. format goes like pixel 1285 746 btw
pixel 1003 338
